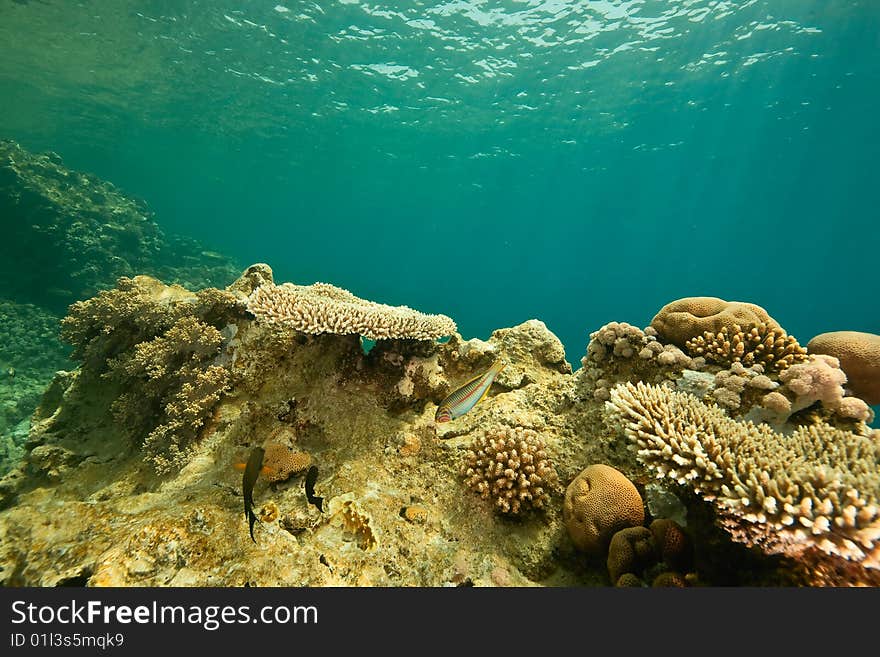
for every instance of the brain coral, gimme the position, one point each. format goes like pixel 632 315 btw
pixel 511 467
pixel 815 488
pixel 599 502
pixel 325 308
pixel 687 318
pixel 631 550
pixel 859 356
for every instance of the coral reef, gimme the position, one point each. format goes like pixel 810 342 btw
pixel 599 502
pixel 631 550
pixel 324 308
pixel 621 352
pixel 820 379
pixel 147 346
pixel 816 488
pixel 859 356
pixel 141 445
pixel 768 346
pixel 687 318
pixel 511 467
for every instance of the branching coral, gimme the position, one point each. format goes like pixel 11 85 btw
pixel 763 344
pixel 171 388
pixel 821 379
pixel 619 351
pixel 817 487
pixel 325 308
pixel 155 345
pixel 511 467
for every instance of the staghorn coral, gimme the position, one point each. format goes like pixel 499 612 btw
pixel 599 502
pixel 817 487
pixel 510 466
pixel 684 319
pixel 859 356
pixel 762 344
pixel 324 308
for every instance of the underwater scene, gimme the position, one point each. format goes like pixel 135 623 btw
pixel 425 294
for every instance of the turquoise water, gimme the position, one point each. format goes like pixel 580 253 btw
pixel 577 162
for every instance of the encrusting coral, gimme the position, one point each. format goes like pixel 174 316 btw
pixel 815 488
pixel 859 356
pixel 324 308
pixel 599 502
pixel 769 346
pixel 280 462
pixel 511 467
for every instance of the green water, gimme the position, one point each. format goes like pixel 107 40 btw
pixel 577 162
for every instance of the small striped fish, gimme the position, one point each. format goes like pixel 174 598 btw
pixel 466 397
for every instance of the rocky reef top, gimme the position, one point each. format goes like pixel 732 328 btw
pixel 555 478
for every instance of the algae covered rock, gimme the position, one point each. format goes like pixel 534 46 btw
pixel 77 234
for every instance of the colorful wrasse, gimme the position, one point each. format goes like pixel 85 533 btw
pixel 251 472
pixel 466 397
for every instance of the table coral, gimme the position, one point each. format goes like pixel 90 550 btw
pixel 511 467
pixel 325 308
pixel 599 502
pixel 859 356
pixel 817 487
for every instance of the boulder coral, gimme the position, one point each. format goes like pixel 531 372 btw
pixel 599 502
pixel 689 317
pixel 859 356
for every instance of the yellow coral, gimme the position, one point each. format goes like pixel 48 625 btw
pixel 764 344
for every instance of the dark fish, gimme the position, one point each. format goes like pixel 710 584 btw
pixel 251 472
pixel 311 478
